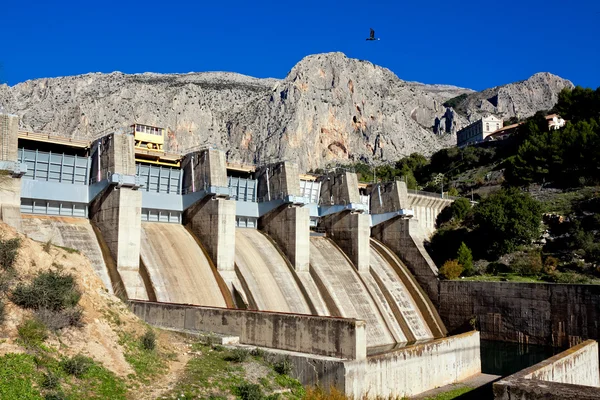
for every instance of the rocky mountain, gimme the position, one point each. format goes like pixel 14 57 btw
pixel 520 99
pixel 328 109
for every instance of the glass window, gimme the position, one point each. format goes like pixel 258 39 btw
pixel 487 126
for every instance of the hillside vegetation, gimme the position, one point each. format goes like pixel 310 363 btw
pixel 63 336
pixel 537 215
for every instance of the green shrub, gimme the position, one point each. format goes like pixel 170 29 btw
pixel 56 320
pixel 238 355
pixel 451 269
pixel 149 340
pixel 2 312
pixel 52 290
pixel 9 250
pixel 249 391
pixel 55 396
pixel 527 264
pixel 50 381
pixel 77 365
pixel 283 366
pixel 258 353
pixel 32 332
pixel 465 258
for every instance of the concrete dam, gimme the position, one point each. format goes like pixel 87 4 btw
pixel 323 267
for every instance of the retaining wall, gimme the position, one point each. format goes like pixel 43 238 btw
pixel 571 374
pixel 334 337
pixel 535 313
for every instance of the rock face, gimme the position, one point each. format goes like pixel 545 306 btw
pixel 329 109
pixel 519 99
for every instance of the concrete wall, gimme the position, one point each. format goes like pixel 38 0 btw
pixel 289 227
pixel 573 373
pixel 333 337
pixel 536 313
pixel 416 369
pixel 339 187
pixel 212 221
pixel 10 187
pixel 405 238
pixel 389 197
pixel 426 209
pixel 117 214
pixel 351 232
pixel 404 372
pixel 203 169
pixel 278 180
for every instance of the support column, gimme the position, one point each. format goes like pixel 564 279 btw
pixel 349 229
pixel 10 174
pixel 117 214
pixel 212 219
pixel 288 225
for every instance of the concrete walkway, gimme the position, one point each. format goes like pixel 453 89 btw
pixel 482 384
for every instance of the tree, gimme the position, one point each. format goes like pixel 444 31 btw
pixel 507 219
pixel 456 211
pixel 465 258
pixel 451 269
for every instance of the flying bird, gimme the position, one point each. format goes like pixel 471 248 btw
pixel 372 36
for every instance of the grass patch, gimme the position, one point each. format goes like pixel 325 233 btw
pixel 145 363
pixel 69 250
pixel 32 332
pixel 451 394
pixel 18 375
pixel 506 277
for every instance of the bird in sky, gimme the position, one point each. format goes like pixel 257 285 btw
pixel 372 36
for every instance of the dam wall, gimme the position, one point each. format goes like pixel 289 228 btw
pixel 117 211
pixel 332 337
pixel 10 171
pixel 572 374
pixel 211 219
pixel 74 233
pixel 289 223
pixel 178 269
pixel 535 313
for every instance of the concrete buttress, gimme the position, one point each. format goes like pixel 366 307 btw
pixel 212 219
pixel 10 182
pixel 117 214
pixel 288 224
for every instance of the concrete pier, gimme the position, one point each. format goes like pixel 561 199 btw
pixel 288 224
pixel 117 212
pixel 347 225
pixel 212 219
pixel 10 181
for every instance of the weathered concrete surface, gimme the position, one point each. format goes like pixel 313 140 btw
pixel 575 373
pixel 268 281
pixel 332 337
pixel 536 313
pixel 405 238
pixel 75 233
pixel 345 293
pixel 425 306
pixel 10 187
pixel 394 298
pixel 339 187
pixel 212 220
pixel 426 209
pixel 388 197
pixel 289 227
pixel 415 369
pixel 117 214
pixel 278 180
pixel 179 270
pixel 203 169
pixel 351 232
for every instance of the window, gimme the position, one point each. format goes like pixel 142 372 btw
pixel 497 126
pixel 487 126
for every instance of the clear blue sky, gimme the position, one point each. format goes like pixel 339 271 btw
pixel 469 43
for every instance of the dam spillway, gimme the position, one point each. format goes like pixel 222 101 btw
pixel 178 269
pixel 266 276
pixel 71 232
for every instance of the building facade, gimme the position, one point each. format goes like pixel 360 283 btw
pixel 478 130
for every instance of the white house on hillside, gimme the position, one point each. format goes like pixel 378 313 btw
pixel 478 130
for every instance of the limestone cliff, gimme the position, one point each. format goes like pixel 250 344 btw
pixel 520 99
pixel 328 109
